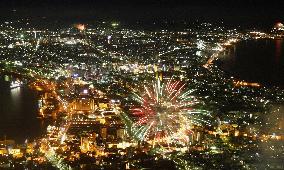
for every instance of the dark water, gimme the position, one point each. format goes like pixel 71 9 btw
pixel 18 113
pixel 257 61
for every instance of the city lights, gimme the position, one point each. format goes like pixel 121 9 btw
pixel 111 95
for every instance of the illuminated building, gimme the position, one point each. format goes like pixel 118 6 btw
pixel 84 104
pixel 104 132
pixel 279 26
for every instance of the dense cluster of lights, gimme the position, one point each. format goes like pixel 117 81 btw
pixel 165 112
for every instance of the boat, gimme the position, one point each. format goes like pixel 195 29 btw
pixel 15 84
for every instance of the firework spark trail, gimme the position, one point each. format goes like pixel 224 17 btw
pixel 165 112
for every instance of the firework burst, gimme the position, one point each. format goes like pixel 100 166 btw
pixel 165 113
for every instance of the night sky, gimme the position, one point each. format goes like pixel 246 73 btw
pixel 250 12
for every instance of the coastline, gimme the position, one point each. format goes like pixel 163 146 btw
pixel 225 46
pixel 19 110
pixel 259 75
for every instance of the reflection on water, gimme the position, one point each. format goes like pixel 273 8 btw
pixel 256 61
pixel 278 50
pixel 15 98
pixel 18 113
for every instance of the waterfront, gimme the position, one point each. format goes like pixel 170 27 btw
pixel 19 112
pixel 264 64
pixel 134 99
pixel 259 61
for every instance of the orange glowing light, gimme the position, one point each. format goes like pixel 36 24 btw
pixel 80 27
pixel 279 25
pixel 243 83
